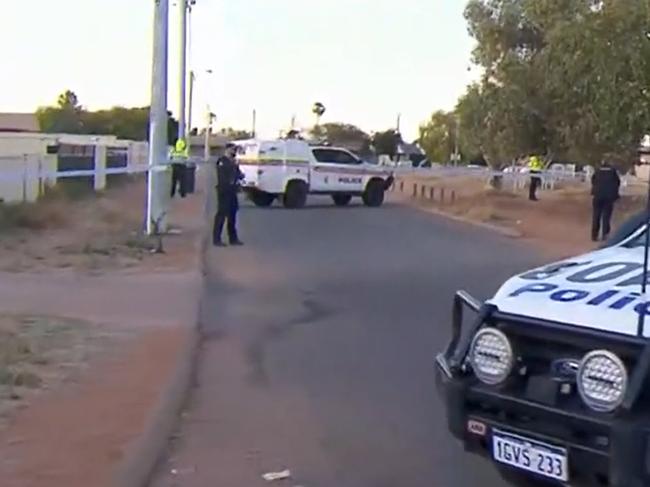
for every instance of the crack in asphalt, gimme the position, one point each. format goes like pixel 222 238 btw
pixel 315 311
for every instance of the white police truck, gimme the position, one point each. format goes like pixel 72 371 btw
pixel 551 377
pixel 291 169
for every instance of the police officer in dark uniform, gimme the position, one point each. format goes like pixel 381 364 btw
pixel 228 178
pixel 605 184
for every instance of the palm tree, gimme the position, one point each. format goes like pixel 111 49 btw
pixel 318 109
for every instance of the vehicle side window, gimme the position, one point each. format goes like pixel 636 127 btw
pixel 343 157
pixel 324 155
pixel 334 156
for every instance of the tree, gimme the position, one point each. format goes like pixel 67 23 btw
pixel 65 117
pixel 387 142
pixel 438 136
pixel 68 100
pixel 564 77
pixel 68 116
pixel 343 135
pixel 235 134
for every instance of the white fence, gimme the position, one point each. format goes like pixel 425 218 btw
pixel 24 178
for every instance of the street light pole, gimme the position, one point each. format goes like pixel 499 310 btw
pixel 158 181
pixel 190 102
pixel 182 74
pixel 208 131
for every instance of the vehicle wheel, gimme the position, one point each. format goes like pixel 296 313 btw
pixel 261 198
pixel 341 199
pixel 627 228
pixel 374 194
pixel 296 195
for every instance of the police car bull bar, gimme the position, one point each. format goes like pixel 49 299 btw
pixel 450 361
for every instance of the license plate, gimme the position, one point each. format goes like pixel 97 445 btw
pixel 523 453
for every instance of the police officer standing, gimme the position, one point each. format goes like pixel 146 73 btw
pixel 605 184
pixel 228 178
pixel 180 152
pixel 535 166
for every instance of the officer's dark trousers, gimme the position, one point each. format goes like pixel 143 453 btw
pixel 226 212
pixel 178 179
pixel 602 214
pixel 535 181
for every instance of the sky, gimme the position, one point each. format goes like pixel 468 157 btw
pixel 365 60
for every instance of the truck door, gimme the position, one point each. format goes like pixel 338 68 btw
pixel 336 170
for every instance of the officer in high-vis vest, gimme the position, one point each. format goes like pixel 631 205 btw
pixel 536 166
pixel 180 152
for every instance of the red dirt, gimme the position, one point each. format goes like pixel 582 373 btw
pixel 74 437
pixel 558 224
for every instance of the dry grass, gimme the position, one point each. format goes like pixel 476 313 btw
pixel 38 352
pixel 32 216
pixel 71 227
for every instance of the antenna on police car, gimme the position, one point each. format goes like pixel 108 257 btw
pixel 644 153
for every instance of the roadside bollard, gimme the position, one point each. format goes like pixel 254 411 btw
pixel 401 186
pixel 442 196
pixel 423 191
pixel 432 193
pixel 415 190
pixel 453 196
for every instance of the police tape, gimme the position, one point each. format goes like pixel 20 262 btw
pixel 27 173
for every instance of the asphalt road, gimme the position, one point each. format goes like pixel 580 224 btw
pixel 320 336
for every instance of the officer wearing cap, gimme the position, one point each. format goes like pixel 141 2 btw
pixel 228 178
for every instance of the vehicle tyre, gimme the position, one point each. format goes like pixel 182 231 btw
pixel 627 228
pixel 374 193
pixel 261 198
pixel 295 195
pixel 341 199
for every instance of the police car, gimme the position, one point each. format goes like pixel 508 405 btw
pixel 550 379
pixel 291 169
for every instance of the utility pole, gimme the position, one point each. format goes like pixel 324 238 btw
pixel 254 123
pixel 182 68
pixel 158 181
pixel 190 102
pixel 208 130
pixel 399 118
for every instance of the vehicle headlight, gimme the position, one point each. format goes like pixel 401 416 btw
pixel 491 356
pixel 602 380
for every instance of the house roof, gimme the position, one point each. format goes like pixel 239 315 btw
pixel 19 122
pixel 409 149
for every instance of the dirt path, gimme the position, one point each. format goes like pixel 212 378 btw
pixel 84 259
pixel 73 436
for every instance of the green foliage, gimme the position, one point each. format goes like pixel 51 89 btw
pixel 343 135
pixel 386 142
pixel 569 78
pixel 67 116
pixel 236 134
pixel 438 136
